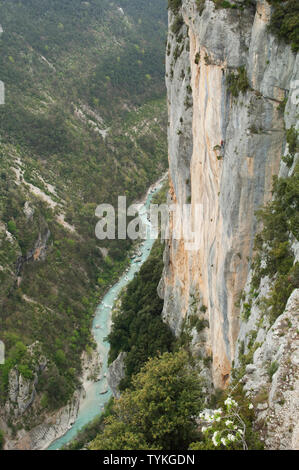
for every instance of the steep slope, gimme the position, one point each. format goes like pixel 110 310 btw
pixel 233 105
pixel 83 122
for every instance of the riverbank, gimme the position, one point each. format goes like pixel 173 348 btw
pixel 97 393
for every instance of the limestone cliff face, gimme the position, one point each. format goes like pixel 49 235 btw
pixel 116 373
pixel 223 153
pixel 275 394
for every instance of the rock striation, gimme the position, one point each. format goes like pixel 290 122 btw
pixel 228 80
pixel 116 373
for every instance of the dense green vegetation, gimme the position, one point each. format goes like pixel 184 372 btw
pixel 71 69
pixel 159 412
pixel 292 137
pixel 237 82
pixel 285 21
pixel 1 440
pixel 174 5
pixel 231 424
pixel 138 328
pixel 274 257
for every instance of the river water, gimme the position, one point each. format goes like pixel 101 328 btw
pixel 95 400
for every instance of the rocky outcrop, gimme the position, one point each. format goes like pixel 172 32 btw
pixel 54 426
pixel 91 366
pixel 272 379
pixel 22 388
pixel 21 392
pixel 116 373
pixel 37 252
pixel 23 405
pixel 227 81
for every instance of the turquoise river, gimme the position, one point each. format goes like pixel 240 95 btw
pixel 95 399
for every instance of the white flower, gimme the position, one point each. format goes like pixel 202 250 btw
pixel 228 422
pixel 250 406
pixel 218 419
pixel 231 437
pixel 214 438
pixel 204 429
pixel 230 402
pixel 223 441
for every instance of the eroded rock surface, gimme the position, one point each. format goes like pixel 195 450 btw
pixel 116 373
pixel 223 153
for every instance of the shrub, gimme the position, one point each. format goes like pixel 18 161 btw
pixel 207 60
pixel 174 5
pixel 224 4
pixel 197 58
pixel 292 140
pixel 228 427
pixel 274 256
pixel 238 82
pixel 138 328
pixel 11 226
pixel 284 21
pixel 1 439
pixel 160 411
pixel 246 311
pixel 177 24
pixel 294 275
pixel 272 369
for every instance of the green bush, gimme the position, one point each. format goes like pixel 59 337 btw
pixel 174 5
pixel 237 82
pixel 18 357
pixel 177 24
pixel 197 58
pixel 138 328
pixel 12 228
pixel 160 411
pixel 1 439
pixel 229 427
pixel 224 4
pixel 273 367
pixel 274 256
pixel 285 21
pixel 246 311
pixel 292 140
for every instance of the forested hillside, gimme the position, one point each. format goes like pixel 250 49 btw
pixel 84 121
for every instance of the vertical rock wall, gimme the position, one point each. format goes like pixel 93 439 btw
pixel 223 153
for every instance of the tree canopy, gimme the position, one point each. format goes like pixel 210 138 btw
pixel 159 411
